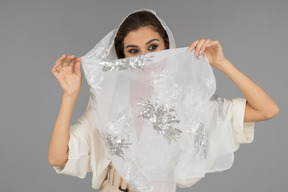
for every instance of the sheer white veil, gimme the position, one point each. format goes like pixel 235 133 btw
pixel 158 115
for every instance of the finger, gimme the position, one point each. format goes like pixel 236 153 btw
pixel 60 59
pixel 54 71
pixel 192 46
pixel 71 58
pixel 65 62
pixel 55 67
pixel 213 43
pixel 217 45
pixel 78 68
pixel 78 59
pixel 72 62
pixel 204 46
pixel 198 47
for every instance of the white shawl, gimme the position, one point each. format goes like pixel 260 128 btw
pixel 158 114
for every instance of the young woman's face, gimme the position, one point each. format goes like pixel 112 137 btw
pixel 141 41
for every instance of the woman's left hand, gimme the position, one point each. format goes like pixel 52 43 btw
pixel 212 49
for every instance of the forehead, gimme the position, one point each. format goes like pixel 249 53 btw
pixel 141 36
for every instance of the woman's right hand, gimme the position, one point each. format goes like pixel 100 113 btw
pixel 69 76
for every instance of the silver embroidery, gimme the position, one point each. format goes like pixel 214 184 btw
pixel 162 119
pixel 95 78
pixel 209 84
pixel 200 138
pixel 166 91
pixel 116 145
pixel 126 63
pixel 118 132
pixel 100 51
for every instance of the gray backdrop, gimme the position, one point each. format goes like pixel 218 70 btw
pixel 34 34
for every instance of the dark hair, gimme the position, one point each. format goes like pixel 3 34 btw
pixel 135 21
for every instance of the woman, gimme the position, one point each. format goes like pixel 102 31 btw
pixel 79 149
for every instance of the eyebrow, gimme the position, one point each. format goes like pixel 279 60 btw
pixel 146 43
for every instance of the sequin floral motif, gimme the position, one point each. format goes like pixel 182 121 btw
pixel 162 119
pixel 200 137
pixel 116 145
pixel 118 132
pixel 126 63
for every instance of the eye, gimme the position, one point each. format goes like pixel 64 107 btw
pixel 133 51
pixel 152 47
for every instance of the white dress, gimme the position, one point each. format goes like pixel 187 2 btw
pixel 87 152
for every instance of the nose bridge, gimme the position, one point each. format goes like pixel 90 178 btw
pixel 144 51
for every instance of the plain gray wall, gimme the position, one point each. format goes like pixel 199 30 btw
pixel 34 34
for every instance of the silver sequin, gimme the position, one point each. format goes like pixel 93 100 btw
pixel 162 119
pixel 116 145
pixel 95 78
pixel 126 63
pixel 118 132
pixel 165 89
pixel 209 84
pixel 200 138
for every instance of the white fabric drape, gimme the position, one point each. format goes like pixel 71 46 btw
pixel 85 142
pixel 158 119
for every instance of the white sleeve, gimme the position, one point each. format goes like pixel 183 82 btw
pixel 78 163
pixel 187 182
pixel 243 132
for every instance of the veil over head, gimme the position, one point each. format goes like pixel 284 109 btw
pixel 158 114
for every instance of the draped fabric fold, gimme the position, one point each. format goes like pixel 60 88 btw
pixel 158 114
